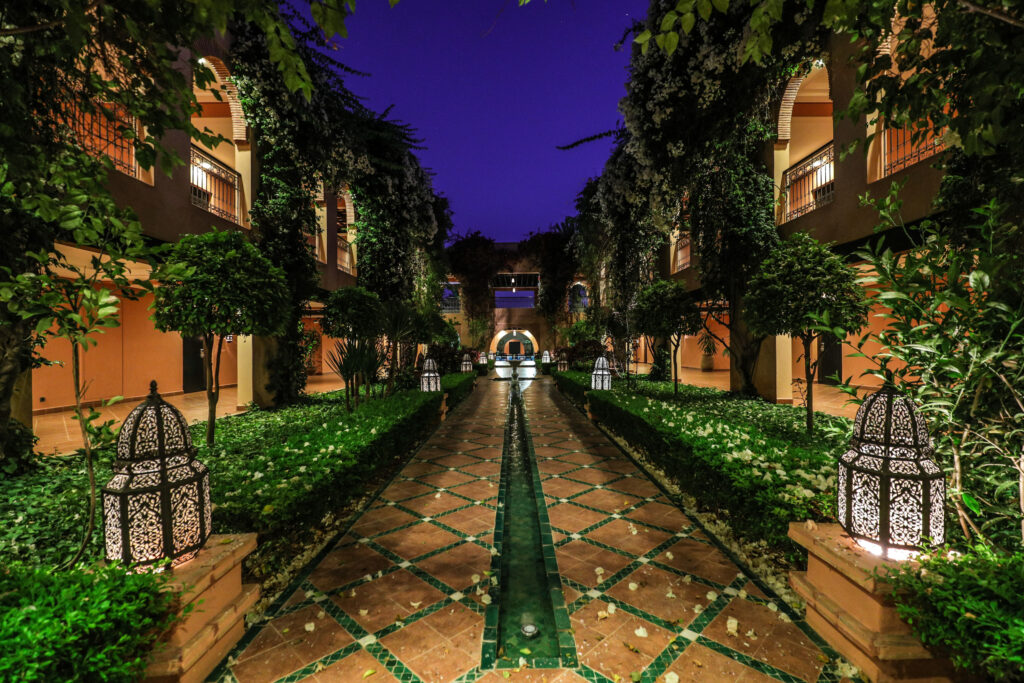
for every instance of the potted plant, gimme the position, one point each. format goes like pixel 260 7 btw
pixel 707 351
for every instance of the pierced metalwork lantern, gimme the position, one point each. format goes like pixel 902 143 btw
pixel 546 358
pixel 563 362
pixel 601 377
pixel 157 505
pixel 430 380
pixel 891 494
pixel 467 363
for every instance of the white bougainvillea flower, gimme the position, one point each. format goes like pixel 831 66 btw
pixel 640 632
pixel 310 626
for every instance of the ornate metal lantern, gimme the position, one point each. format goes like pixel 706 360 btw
pixel 546 358
pixel 601 377
pixel 563 362
pixel 891 494
pixel 430 380
pixel 467 363
pixel 157 505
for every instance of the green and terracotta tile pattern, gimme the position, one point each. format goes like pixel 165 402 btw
pixel 647 592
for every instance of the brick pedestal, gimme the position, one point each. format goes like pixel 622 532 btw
pixel 851 610
pixel 212 583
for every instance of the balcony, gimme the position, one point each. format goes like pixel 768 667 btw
pixel 215 187
pixel 102 134
pixel 346 259
pixel 809 184
pixel 681 255
pixel 899 150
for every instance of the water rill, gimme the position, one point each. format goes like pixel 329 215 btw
pixel 528 620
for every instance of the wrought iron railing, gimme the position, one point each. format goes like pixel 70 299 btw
pixel 215 187
pixel 346 259
pixel 103 135
pixel 809 183
pixel 451 304
pixel 682 256
pixel 899 150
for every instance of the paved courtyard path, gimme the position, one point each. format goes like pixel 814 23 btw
pixel 402 595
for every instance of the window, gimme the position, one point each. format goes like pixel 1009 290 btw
pixel 103 134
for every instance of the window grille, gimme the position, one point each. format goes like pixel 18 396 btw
pixel 809 183
pixel 215 187
pixel 102 134
pixel 900 151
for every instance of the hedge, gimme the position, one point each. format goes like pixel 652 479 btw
pixel 96 625
pixel 745 458
pixel 457 386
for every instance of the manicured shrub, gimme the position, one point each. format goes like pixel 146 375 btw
pixel 969 606
pixel 746 458
pixel 457 386
pixel 94 625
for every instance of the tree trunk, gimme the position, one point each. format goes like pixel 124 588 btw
pixel 809 372
pixel 212 385
pixel 675 373
pixel 87 448
pixel 15 358
pixel 744 348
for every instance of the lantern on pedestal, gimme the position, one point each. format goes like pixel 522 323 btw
pixel 467 363
pixel 546 358
pixel 601 377
pixel 891 494
pixel 157 505
pixel 563 362
pixel 430 380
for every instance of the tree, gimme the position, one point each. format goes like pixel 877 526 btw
pixel 352 312
pixel 665 309
pixel 226 287
pixel 798 284
pixel 555 258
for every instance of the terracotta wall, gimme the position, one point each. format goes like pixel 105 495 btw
pixel 122 363
pixel 690 354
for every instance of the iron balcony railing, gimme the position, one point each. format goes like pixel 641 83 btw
pixel 345 256
pixel 451 304
pixel 103 135
pixel 215 187
pixel 809 183
pixel 899 150
pixel 682 261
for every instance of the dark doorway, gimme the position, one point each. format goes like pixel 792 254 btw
pixel 830 359
pixel 514 348
pixel 193 377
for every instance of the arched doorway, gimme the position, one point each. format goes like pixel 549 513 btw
pixel 514 343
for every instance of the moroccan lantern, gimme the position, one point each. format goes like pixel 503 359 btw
pixel 467 363
pixel 430 380
pixel 563 362
pixel 891 494
pixel 601 377
pixel 546 358
pixel 157 505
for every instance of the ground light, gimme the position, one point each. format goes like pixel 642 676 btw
pixel 430 380
pixel 157 505
pixel 891 495
pixel 563 362
pixel 467 363
pixel 601 377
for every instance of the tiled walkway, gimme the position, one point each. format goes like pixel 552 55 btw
pixel 402 595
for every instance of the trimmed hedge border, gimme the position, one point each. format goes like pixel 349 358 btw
pixel 458 386
pixel 702 463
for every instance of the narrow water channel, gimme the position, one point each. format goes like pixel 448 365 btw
pixel 529 619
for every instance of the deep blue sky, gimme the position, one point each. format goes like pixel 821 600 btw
pixel 492 88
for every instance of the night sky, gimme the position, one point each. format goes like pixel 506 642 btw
pixel 492 88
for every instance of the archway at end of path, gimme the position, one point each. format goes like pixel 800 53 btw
pixel 514 342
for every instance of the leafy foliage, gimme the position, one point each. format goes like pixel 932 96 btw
pixel 80 625
pixel 351 312
pixel 967 605
pixel 552 251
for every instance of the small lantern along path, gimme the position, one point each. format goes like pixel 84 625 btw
pixel 648 592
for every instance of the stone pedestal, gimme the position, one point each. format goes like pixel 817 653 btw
pixel 212 583
pixel 852 610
